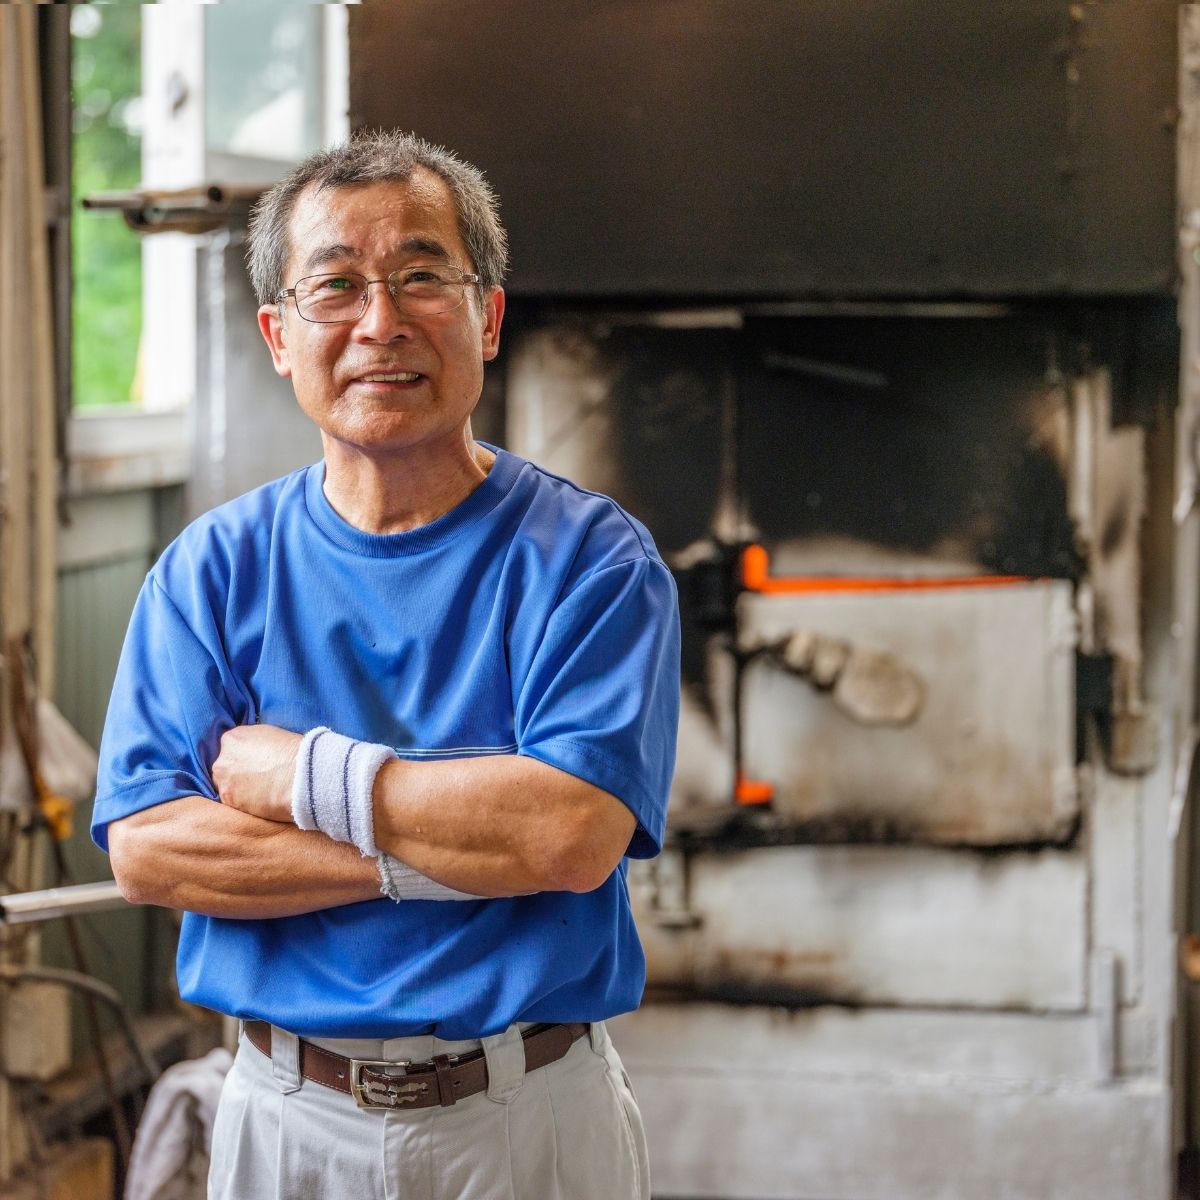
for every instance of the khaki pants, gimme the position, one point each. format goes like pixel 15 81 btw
pixel 568 1131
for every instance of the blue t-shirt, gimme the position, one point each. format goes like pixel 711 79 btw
pixel 534 618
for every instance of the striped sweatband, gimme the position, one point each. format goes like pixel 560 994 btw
pixel 331 790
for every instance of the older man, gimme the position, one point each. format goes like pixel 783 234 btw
pixel 424 668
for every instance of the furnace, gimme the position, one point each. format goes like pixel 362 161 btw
pixel 869 313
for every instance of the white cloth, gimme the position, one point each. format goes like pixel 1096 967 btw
pixel 174 1136
pixel 333 785
pixel 568 1131
pixel 402 882
pixel 332 791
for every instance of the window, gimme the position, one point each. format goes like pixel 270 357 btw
pixel 174 96
pixel 106 152
pixel 263 88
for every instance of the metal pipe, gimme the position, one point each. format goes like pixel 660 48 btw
pixel 26 908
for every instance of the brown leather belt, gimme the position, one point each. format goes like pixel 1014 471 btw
pixel 442 1080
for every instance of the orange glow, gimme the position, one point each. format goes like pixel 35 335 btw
pixel 754 791
pixel 757 577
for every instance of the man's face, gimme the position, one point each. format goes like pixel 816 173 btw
pixel 374 229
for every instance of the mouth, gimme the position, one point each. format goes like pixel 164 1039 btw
pixel 390 377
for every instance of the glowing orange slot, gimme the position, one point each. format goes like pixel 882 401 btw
pixel 754 791
pixel 757 577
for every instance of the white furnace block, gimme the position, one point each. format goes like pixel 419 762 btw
pixel 828 1104
pixel 932 1047
pixel 989 758
pixel 880 925
pixel 745 1134
pixel 1114 837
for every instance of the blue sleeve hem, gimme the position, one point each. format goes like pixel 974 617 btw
pixel 155 787
pixel 587 763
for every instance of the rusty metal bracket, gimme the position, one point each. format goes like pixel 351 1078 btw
pixel 1093 697
pixel 669 905
pixel 188 210
pixel 1127 727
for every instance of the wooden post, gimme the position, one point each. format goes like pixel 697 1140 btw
pixel 44 457
pixel 28 475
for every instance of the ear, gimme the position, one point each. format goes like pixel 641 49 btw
pixel 493 314
pixel 274 331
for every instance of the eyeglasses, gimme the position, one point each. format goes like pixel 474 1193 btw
pixel 420 291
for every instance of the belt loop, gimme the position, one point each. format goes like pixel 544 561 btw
pixel 445 1078
pixel 505 1054
pixel 285 1060
pixel 598 1036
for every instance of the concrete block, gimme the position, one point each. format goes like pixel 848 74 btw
pixel 37 1031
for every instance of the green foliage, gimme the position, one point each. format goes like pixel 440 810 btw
pixel 107 266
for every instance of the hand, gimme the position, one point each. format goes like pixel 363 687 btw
pixel 254 770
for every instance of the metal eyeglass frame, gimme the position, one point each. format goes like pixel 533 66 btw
pixel 469 278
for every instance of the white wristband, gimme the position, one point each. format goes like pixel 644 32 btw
pixel 332 786
pixel 399 881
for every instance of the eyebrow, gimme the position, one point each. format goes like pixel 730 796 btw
pixel 327 254
pixel 339 252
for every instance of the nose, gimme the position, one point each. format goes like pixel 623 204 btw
pixel 381 320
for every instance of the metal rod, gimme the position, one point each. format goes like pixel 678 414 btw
pixel 120 1123
pixel 25 908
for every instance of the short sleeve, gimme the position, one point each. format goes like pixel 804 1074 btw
pixel 170 704
pixel 601 700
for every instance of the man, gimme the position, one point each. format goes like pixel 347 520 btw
pixel 423 667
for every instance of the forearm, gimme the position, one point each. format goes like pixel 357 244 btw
pixel 504 825
pixel 212 859
pixel 499 826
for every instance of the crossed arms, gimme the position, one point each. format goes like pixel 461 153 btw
pixel 499 826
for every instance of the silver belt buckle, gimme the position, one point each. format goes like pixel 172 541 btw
pixel 370 1093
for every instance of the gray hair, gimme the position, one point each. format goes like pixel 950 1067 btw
pixel 373 157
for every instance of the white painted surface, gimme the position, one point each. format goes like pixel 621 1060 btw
pixel 881 925
pixel 558 388
pixel 948 1048
pixel 1112 835
pixel 990 757
pixel 119 450
pixel 746 1137
pixel 255 431
pixel 172 157
pixel 829 1105
pixel 335 50
pixel 106 527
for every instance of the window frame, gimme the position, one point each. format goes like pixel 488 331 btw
pixel 151 444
